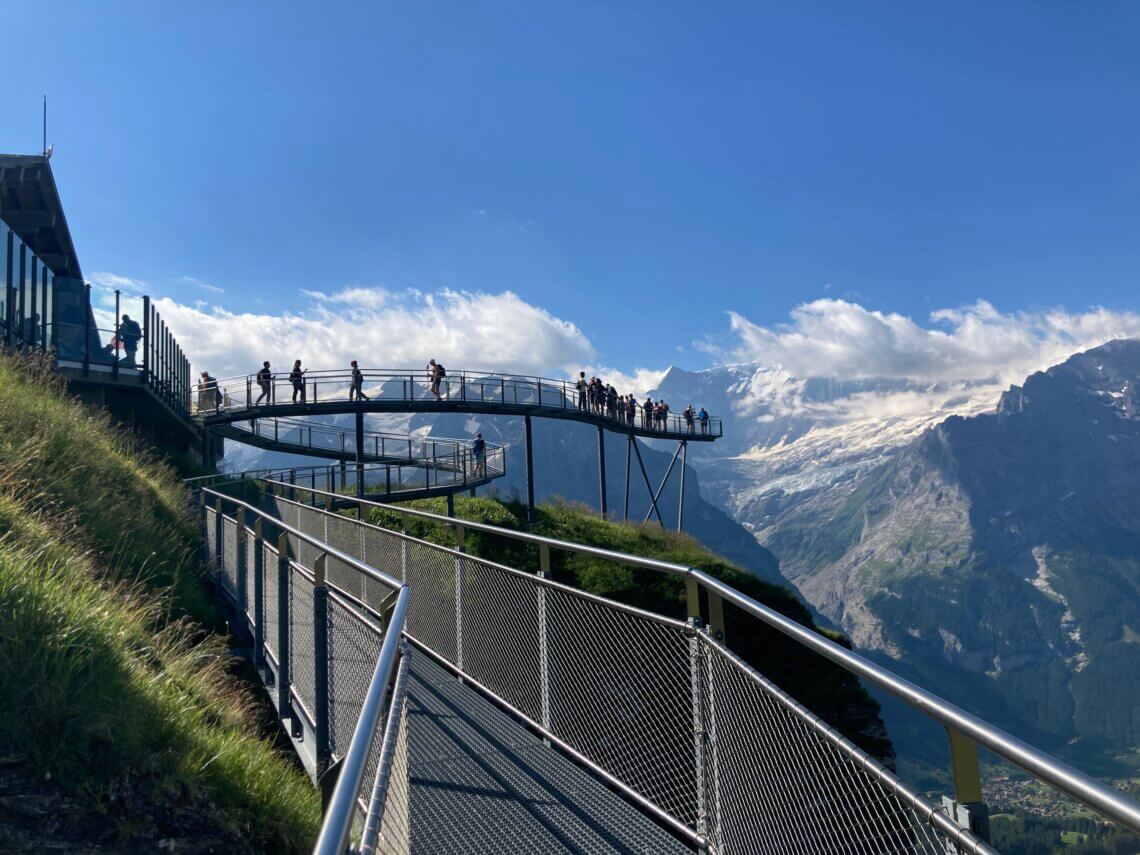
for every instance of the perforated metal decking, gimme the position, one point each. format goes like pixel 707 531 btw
pixel 480 782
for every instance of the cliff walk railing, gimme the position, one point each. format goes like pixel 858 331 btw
pixel 394 481
pixel 233 398
pixel 608 684
pixel 304 436
pixel 659 708
pixel 325 633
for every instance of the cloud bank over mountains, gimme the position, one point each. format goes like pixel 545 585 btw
pixel 956 355
pixel 836 338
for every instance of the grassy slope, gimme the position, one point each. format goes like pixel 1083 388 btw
pixel 825 689
pixel 104 683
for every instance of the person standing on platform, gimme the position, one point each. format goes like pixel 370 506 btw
pixel 129 334
pixel 689 415
pixel 703 418
pixel 583 391
pixel 356 390
pixel 297 378
pixel 479 452
pixel 647 413
pixel 265 383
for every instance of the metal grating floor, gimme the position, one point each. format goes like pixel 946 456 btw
pixel 482 783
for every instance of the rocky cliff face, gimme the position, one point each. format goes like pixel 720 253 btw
pixel 999 556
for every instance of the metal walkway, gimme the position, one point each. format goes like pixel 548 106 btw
pixel 480 782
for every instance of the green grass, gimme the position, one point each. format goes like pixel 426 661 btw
pixel 109 680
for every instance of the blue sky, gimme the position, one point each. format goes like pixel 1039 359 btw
pixel 638 170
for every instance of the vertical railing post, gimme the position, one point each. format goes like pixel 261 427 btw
pixel 115 364
pixel 258 595
pixel 460 546
pixel 240 596
pixel 693 602
pixel 284 707
pixel 218 534
pixel 968 807
pixel 403 547
pixel 543 637
pixel 321 662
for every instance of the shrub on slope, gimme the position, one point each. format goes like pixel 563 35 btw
pixel 102 685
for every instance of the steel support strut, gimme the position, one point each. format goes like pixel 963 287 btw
pixel 681 498
pixel 648 487
pixel 661 486
pixel 628 452
pixel 529 471
pixel 359 452
pixel 602 470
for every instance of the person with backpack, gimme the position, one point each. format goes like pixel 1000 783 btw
pixel 689 418
pixel 356 390
pixel 436 373
pixel 265 383
pixel 479 452
pixel 297 378
pixel 129 334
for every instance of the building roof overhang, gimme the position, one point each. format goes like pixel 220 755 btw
pixel 30 205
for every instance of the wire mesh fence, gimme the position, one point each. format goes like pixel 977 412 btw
pixel 793 784
pixel 333 639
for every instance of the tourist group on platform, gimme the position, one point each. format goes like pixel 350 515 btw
pixel 592 396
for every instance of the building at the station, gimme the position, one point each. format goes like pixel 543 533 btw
pixel 141 375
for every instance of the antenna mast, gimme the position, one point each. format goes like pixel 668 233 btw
pixel 45 126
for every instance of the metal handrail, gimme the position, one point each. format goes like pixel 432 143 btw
pixel 337 824
pixel 237 393
pixel 338 818
pixel 309 428
pixel 1094 794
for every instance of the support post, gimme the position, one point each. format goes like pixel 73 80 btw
pixel 602 470
pixel 968 807
pixel 284 707
pixel 241 554
pixel 359 453
pixel 460 533
pixel 648 487
pixel 681 496
pixel 258 595
pixel 321 663
pixel 450 505
pixel 628 453
pixel 530 516
pixel 543 638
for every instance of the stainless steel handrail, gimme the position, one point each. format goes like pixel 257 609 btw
pixel 333 838
pixel 337 822
pixel 1083 788
pixel 561 394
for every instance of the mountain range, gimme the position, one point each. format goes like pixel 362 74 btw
pixel 982 539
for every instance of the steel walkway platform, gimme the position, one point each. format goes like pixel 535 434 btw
pixel 480 782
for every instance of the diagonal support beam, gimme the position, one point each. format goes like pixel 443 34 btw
pixel 648 487
pixel 661 488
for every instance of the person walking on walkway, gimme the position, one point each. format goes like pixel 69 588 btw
pixel 356 390
pixel 583 391
pixel 297 378
pixel 479 452
pixel 265 383
pixel 436 373
pixel 129 334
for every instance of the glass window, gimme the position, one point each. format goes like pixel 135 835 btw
pixel 5 269
pixel 46 304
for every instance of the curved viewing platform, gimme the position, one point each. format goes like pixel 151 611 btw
pixel 327 392
pixel 332 442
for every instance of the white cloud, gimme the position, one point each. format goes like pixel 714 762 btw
pixel 205 286
pixel 640 381
pixel 112 281
pixel 836 338
pixel 473 331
